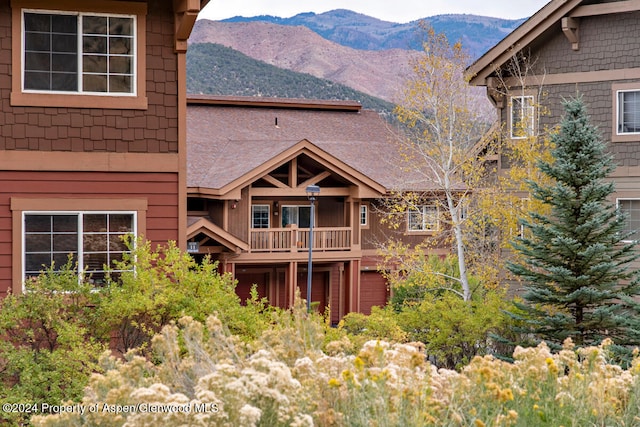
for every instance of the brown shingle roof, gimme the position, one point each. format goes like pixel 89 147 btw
pixel 228 140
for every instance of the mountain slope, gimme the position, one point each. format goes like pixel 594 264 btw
pixel 219 70
pixel 358 31
pixel 378 73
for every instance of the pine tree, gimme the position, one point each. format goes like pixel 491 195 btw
pixel 573 262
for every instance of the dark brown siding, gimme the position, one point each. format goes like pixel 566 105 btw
pixel 330 213
pixel 154 130
pixel 160 190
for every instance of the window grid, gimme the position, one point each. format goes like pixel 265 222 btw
pixel 628 112
pixel 363 215
pixel 423 218
pixel 522 116
pixel 57 45
pixel 631 207
pixel 260 216
pixel 94 240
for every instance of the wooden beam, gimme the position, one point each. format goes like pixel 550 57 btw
pixel 570 28
pixel 315 179
pixel 276 183
pixel 605 8
pixel 298 192
pixel 185 14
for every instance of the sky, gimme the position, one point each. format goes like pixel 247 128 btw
pixel 400 11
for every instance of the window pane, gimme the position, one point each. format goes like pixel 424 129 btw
pixel 38 62
pixel 94 83
pixel 64 43
pixel 65 223
pixel 34 263
pixel 65 242
pixel 120 45
pixel 95 222
pixel 630 112
pixel 94 63
pixel 631 208
pixel 95 261
pixel 39 22
pixel 35 223
pixel 67 82
pixel 65 24
pixel 260 216
pixel 94 25
pixel 94 44
pixel 116 243
pixel 65 63
pixel 304 214
pixel 121 26
pixel 37 243
pixel 94 242
pixel 120 65
pixel 121 84
pixel 121 223
pixel 37 42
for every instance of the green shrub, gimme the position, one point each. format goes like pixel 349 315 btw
pixel 163 285
pixel 47 343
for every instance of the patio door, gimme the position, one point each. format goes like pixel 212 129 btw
pixel 298 215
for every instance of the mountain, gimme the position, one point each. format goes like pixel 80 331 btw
pixel 358 31
pixel 380 73
pixel 216 69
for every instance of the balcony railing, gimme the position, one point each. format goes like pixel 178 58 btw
pixel 294 239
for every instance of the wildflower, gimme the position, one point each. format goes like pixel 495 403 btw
pixel 334 382
pixel 505 395
pixel 512 415
pixel 479 423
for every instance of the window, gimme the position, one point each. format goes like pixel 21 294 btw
pixel 86 55
pixel 93 240
pixel 522 116
pixel 299 215
pixel 631 208
pixel 78 52
pixel 260 216
pixel 628 112
pixel 363 215
pixel 423 218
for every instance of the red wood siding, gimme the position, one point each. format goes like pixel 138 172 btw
pixel 373 291
pixel 160 190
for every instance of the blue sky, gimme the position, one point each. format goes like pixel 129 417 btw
pixel 388 10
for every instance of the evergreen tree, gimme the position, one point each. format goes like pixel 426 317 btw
pixel 574 264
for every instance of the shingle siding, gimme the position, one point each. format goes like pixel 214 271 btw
pixel 153 130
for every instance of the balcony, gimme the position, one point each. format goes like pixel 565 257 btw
pixel 294 239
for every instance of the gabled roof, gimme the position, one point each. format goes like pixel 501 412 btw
pixel 551 14
pixel 233 141
pixel 209 229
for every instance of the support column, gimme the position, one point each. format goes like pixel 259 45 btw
pixel 291 283
pixel 354 286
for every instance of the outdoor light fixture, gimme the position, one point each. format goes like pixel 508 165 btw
pixel 312 193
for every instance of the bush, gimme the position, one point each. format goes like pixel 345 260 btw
pixel 48 346
pixel 163 285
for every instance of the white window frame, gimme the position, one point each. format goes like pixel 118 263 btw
pixel 627 228
pixel 80 71
pixel 81 234
pixel 253 210
pixel 424 226
pixel 620 112
pixel 526 110
pixel 364 215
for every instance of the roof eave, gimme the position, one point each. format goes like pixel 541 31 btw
pixel 519 38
